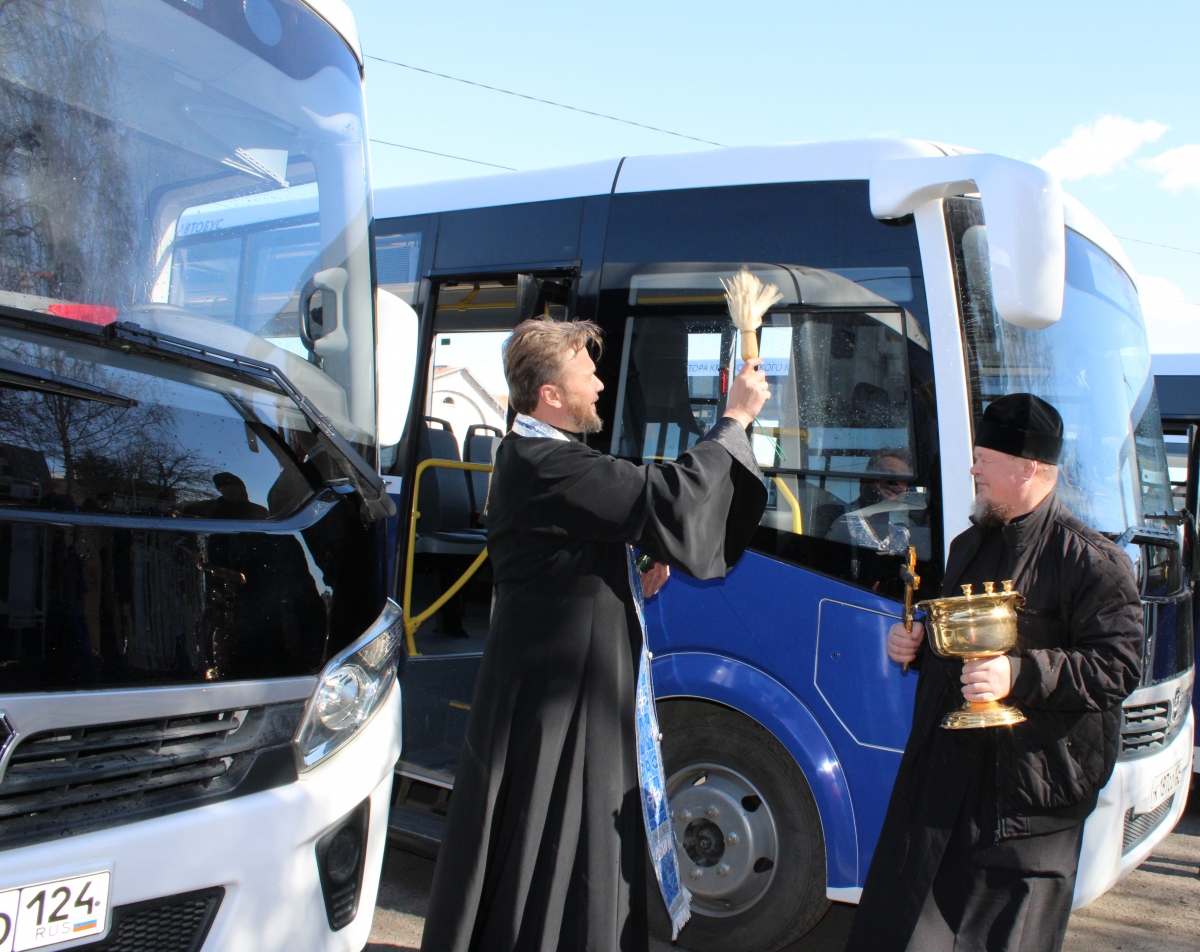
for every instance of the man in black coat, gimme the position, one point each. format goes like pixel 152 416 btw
pixel 980 846
pixel 546 842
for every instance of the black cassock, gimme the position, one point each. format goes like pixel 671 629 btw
pixel 545 847
pixel 944 878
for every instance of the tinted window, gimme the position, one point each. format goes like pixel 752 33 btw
pixel 825 225
pixel 534 233
pixel 849 442
pixel 96 431
pixel 397 264
pixel 846 477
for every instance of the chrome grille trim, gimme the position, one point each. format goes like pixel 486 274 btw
pixel 34 713
pixel 1152 717
pixel 69 780
pixel 1138 826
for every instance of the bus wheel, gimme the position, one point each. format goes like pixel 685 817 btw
pixel 748 832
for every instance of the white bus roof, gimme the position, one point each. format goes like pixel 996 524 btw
pixel 338 16
pixel 744 165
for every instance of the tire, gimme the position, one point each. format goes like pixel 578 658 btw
pixel 726 774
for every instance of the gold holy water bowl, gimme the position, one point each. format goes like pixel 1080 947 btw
pixel 970 627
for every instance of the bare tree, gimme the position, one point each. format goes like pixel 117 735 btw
pixel 136 440
pixel 68 209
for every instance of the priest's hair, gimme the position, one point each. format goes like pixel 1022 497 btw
pixel 534 356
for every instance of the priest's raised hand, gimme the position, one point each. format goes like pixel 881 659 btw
pixel 748 393
pixel 545 845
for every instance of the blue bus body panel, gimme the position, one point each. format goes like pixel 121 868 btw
pixel 747 689
pixel 803 655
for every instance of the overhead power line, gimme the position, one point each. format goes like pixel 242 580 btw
pixel 1155 244
pixel 1159 297
pixel 444 155
pixel 546 102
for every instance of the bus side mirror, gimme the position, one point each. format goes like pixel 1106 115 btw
pixel 322 312
pixel 395 364
pixel 1023 209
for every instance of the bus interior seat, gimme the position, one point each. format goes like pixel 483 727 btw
pixel 481 444
pixel 445 500
pixel 870 406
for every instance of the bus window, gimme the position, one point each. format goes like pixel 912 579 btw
pixel 206 278
pixel 245 262
pixel 278 263
pixel 835 441
pixel 396 264
pixel 1114 468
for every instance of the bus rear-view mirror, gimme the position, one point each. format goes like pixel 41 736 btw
pixel 1025 242
pixel 322 312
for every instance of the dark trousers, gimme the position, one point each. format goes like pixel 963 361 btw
pixel 1010 896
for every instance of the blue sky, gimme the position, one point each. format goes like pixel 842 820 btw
pixel 1104 94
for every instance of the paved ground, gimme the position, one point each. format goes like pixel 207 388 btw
pixel 1156 909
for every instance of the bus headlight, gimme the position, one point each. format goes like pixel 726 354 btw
pixel 352 687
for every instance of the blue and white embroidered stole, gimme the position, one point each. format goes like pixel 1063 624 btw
pixel 656 812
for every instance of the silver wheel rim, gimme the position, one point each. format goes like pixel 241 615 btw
pixel 726 837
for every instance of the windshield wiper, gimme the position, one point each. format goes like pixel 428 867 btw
pixel 133 338
pixel 20 376
pixel 367 483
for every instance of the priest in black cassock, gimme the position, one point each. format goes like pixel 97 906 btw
pixel 980 846
pixel 545 847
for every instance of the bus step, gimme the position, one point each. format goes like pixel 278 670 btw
pixel 415 831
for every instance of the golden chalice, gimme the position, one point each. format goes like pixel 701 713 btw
pixel 970 627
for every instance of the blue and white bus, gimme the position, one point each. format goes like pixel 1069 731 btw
pixel 920 281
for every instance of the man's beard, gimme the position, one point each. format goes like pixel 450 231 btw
pixel 584 418
pixel 988 514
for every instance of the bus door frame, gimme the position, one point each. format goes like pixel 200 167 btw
pixel 412 469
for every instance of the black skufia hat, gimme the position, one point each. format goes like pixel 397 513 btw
pixel 1021 424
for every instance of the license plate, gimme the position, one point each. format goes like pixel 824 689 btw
pixel 1166 784
pixel 50 913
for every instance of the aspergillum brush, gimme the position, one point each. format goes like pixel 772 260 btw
pixel 749 299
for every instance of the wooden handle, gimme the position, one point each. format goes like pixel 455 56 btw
pixel 749 345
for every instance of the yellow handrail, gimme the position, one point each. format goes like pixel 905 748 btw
pixel 797 518
pixel 411 624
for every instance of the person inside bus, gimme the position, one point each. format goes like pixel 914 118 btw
pixel 980 846
pixel 232 503
pixel 545 844
pixel 883 516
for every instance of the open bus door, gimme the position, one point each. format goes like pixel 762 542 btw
pixel 444 576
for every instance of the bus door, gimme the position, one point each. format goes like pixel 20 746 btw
pixel 446 581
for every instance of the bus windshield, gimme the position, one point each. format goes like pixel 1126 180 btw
pixel 1093 365
pixel 196 168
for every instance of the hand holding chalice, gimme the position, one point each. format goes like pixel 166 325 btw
pixel 973 627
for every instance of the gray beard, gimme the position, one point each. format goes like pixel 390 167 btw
pixel 988 514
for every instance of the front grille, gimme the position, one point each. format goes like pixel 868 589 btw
pixel 74 780
pixel 1146 727
pixel 1139 825
pixel 171 924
